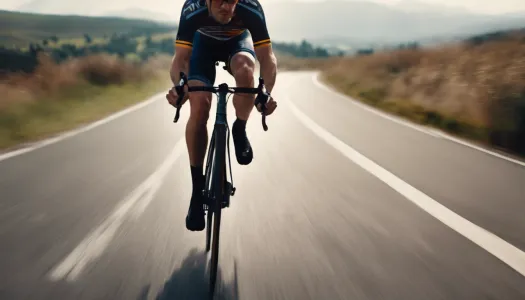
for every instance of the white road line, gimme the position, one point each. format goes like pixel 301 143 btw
pixel 81 129
pixel 433 132
pixel 464 143
pixel 398 120
pixel 98 240
pixel 498 247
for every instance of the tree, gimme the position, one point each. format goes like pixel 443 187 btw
pixel 87 38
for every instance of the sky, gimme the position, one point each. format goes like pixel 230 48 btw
pixel 480 6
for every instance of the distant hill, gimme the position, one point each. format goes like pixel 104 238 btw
pixel 19 29
pixel 354 23
pixel 66 7
pixel 426 7
pixel 367 22
pixel 137 13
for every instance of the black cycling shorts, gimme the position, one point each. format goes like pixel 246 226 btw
pixel 207 51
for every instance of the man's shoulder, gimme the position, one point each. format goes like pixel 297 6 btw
pixel 252 3
pixel 252 7
pixel 191 8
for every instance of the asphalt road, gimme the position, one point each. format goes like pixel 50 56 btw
pixel 339 203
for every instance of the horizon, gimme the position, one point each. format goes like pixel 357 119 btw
pixel 369 24
pixel 172 8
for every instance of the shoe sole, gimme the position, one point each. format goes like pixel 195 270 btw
pixel 199 227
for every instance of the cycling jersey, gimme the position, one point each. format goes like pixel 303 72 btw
pixel 248 15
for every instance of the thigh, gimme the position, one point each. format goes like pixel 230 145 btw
pixel 241 43
pixel 202 62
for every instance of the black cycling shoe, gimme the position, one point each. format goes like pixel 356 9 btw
pixel 243 149
pixel 195 217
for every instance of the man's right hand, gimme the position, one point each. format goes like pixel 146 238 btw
pixel 172 97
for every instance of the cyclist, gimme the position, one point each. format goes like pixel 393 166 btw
pixel 234 32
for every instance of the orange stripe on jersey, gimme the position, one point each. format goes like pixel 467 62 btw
pixel 234 32
pixel 179 42
pixel 183 46
pixel 262 43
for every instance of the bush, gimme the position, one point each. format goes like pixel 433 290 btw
pixel 475 91
pixel 105 70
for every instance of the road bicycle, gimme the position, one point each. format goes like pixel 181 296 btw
pixel 217 190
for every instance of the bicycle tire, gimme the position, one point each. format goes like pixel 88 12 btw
pixel 218 188
pixel 209 219
pixel 208 190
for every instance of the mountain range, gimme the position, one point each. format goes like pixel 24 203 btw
pixel 137 13
pixel 330 21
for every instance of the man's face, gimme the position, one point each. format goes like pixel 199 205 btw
pixel 222 10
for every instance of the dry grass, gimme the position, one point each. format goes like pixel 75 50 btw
pixel 287 62
pixel 57 97
pixel 474 91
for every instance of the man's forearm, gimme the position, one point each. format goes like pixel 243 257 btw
pixel 178 65
pixel 269 72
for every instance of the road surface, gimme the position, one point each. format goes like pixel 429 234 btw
pixel 340 202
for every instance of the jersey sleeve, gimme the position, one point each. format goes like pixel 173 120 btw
pixel 257 25
pixel 186 30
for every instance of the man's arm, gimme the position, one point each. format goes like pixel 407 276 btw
pixel 183 44
pixel 268 63
pixel 253 13
pixel 180 62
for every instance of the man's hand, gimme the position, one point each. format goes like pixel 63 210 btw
pixel 271 105
pixel 172 97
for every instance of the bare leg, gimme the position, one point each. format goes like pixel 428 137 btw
pixel 243 67
pixel 196 131
pixel 197 141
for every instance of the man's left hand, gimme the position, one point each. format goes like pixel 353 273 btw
pixel 271 105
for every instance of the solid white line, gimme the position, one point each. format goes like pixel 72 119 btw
pixel 433 132
pixel 498 247
pixel 81 129
pixel 98 240
pixel 368 108
pixel 454 139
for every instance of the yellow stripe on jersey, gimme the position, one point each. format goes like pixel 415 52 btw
pixel 184 46
pixel 183 43
pixel 262 43
pixel 234 32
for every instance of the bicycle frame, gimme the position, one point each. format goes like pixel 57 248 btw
pixel 217 190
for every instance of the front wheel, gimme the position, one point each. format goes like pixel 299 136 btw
pixel 217 196
pixel 209 219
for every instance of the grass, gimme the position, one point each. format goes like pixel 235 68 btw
pixel 61 97
pixel 19 29
pixel 287 62
pixel 473 91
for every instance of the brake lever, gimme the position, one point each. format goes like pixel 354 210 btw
pixel 180 91
pixel 262 94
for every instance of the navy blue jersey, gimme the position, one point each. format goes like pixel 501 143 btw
pixel 248 15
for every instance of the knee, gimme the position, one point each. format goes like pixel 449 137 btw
pixel 200 103
pixel 243 68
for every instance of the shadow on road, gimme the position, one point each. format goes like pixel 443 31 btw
pixel 190 281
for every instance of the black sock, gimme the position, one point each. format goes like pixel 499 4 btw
pixel 197 178
pixel 243 149
pixel 239 125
